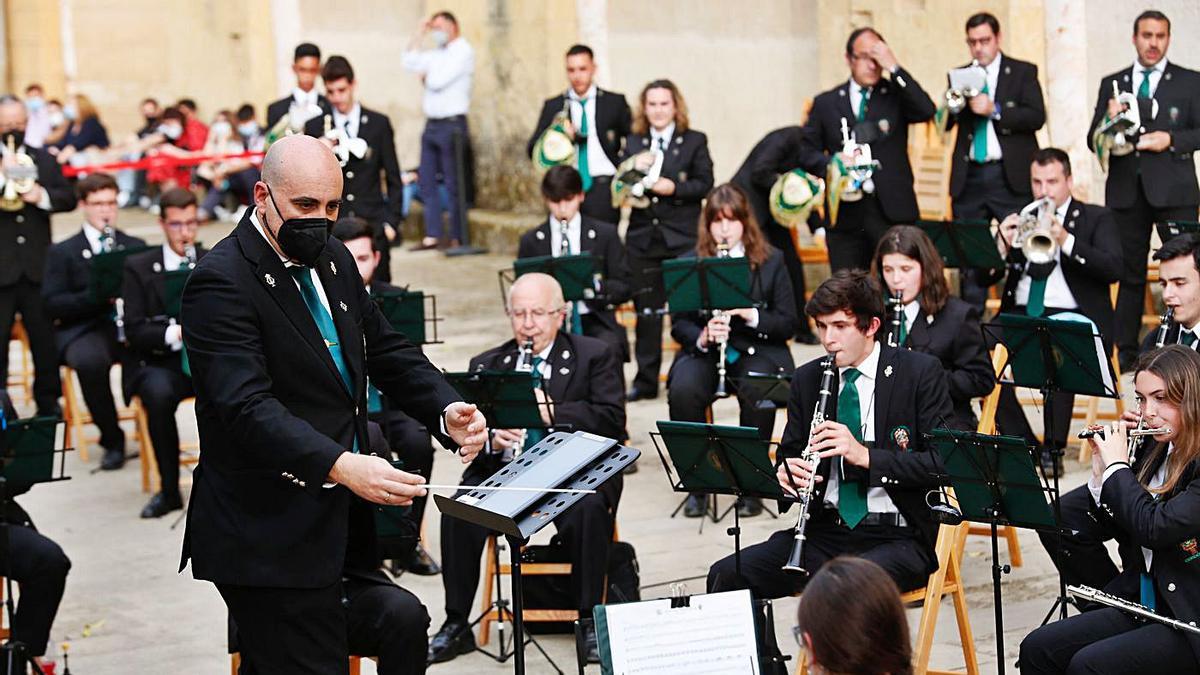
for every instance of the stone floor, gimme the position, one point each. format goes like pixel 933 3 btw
pixel 127 610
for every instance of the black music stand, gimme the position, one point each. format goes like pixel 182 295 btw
pixel 964 244
pixel 28 456
pixel 769 391
pixel 707 284
pixel 505 397
pixel 995 482
pixel 575 461
pixel 718 460
pixel 413 313
pixel 108 270
pixel 577 273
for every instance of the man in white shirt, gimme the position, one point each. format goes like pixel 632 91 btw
pixel 446 71
pixel 304 102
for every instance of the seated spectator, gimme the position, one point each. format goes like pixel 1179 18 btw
pixel 195 133
pixel 85 131
pixel 133 183
pixel 38 126
pixel 58 124
pixel 233 179
pixel 171 140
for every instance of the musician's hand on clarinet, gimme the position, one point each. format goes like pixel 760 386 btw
pixel 801 474
pixel 834 438
pixel 644 161
pixel 503 439
pixel 376 480
pixel 467 427
pixel 717 329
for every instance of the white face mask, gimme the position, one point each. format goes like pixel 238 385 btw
pixel 248 128
pixel 221 129
pixel 440 37
pixel 171 131
pixel 56 118
pixel 71 112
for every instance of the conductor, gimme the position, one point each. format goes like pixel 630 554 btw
pixel 280 335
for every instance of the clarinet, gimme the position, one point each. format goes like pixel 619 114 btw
pixel 805 494
pixel 896 300
pixel 1167 318
pixel 1140 611
pixel 108 238
pixel 189 252
pixel 524 365
pixel 119 309
pixel 722 252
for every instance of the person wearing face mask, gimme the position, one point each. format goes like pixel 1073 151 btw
pixel 38 126
pixel 234 179
pixel 1150 504
pixel 24 242
pixel 280 336
pixel 446 72
pixel 931 320
pixel 171 140
pixel 666 227
pixel 755 337
pixel 156 339
pixel 85 130
pixel 195 132
pixel 579 380
pixel 877 111
pixel 58 125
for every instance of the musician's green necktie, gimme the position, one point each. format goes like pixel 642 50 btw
pixel 862 104
pixel 979 149
pixel 533 436
pixel 1187 338
pixel 1144 88
pixel 1036 305
pixel 584 172
pixel 852 494
pixel 903 328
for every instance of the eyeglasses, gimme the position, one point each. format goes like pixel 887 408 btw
pixel 110 204
pixel 183 224
pixel 536 314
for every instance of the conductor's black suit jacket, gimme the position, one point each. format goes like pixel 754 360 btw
pixel 274 414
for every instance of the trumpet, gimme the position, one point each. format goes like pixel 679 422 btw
pixel 1122 127
pixel 956 99
pixel 722 252
pixel 805 494
pixel 896 300
pixel 1033 231
pixel 861 168
pixel 19 176
pixel 1165 327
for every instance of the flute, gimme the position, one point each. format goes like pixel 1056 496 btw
pixel 1140 611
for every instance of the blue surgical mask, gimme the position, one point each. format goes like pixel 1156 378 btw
pixel 221 129
pixel 71 112
pixel 440 37
pixel 248 128
pixel 34 104
pixel 56 118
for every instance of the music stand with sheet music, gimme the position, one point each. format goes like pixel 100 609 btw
pixel 505 397
pixel 108 272
pixel 768 391
pixel 514 501
pixel 29 454
pixel 412 313
pixel 995 482
pixel 718 460
pixel 577 273
pixel 707 284
pixel 964 244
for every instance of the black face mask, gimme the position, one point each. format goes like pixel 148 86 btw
pixel 16 135
pixel 301 239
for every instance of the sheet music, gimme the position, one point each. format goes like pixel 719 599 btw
pixel 713 636
pixel 971 77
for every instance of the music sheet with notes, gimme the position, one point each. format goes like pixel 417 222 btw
pixel 714 635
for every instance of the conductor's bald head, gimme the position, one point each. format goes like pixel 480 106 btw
pixel 300 179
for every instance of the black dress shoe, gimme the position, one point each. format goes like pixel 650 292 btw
pixel 639 394
pixel 452 639
pixel 748 507
pixel 423 565
pixel 161 504
pixel 696 506
pixel 113 460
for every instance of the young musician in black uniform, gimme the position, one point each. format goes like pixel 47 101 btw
pixel 84 328
pixel 989 175
pixel 1153 511
pixel 755 337
pixel 878 111
pixel 406 436
pixel 869 498
pixel 930 319
pixel 364 142
pixel 1076 280
pixel 156 340
pixel 305 102
pixel 599 123
pixel 665 228
pixel 580 377
pixel 563 191
pixel 24 241
pixel 1157 181
pixel 1179 279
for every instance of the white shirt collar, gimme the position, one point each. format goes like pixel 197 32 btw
pixel 93 235
pixel 867 367
pixel 911 310
pixel 590 94
pixel 1159 67
pixel 353 115
pixel 259 227
pixel 856 90
pixel 993 68
pixel 1061 212
pixel 573 224
pixel 305 97
pixel 666 134
pixel 172 260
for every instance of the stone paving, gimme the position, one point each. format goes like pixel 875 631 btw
pixel 127 610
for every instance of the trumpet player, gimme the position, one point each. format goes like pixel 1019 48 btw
pixel 84 329
pixel 878 111
pixel 1059 259
pixel 1179 279
pixel 579 380
pixel 1156 179
pixel 754 338
pixel 989 176
pixel 24 243
pixel 874 469
pixel 1152 509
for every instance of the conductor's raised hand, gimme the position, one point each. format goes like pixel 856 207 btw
pixel 795 474
pixel 467 427
pixel 832 439
pixel 376 480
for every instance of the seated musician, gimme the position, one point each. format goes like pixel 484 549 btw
pixel 1076 280
pixel 931 320
pixel 869 494
pixel 580 378
pixel 1153 511
pixel 84 328
pixel 755 337
pixel 156 340
pixel 1179 278
pixel 408 437
pixel 562 188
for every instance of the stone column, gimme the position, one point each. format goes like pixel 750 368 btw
pixel 1068 93
pixel 286 29
pixel 66 26
pixel 593 32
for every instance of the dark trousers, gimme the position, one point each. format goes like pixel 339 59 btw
pixel 649 298
pixel 92 355
pixel 1106 641
pixel 692 385
pixel 616 339
pixel 597 203
pixel 1135 222
pixel 1010 417
pixel 1082 558
pixel 781 238
pixel 860 226
pixel 161 389
pixel 898 550
pixel 25 297
pixel 585 530
pixel 241 186
pixel 411 442
pixel 39 567
pixel 985 196
pixel 387 622
pixel 442 149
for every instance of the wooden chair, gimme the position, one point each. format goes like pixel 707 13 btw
pixel 235 662
pixel 4 629
pixel 77 417
pixel 987 425
pixel 189 453
pixel 20 377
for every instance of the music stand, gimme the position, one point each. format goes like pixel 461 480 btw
pixel 994 482
pixel 576 461
pixel 412 313
pixel 505 397
pixel 768 390
pixel 964 244
pixel 28 453
pixel 707 284
pixel 715 459
pixel 1169 229
pixel 577 274
pixel 108 272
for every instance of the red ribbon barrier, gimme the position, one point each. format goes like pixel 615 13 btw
pixel 157 161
